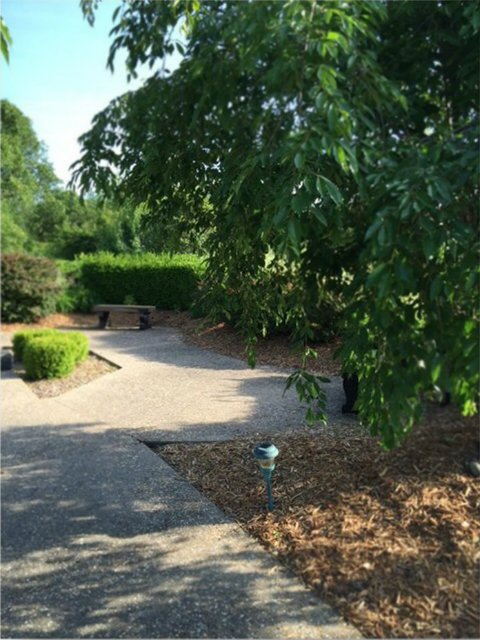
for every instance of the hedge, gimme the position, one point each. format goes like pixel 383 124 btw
pixel 21 338
pixel 30 287
pixel 80 345
pixel 168 282
pixel 54 354
pixel 49 357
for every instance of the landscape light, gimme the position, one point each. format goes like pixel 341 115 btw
pixel 265 455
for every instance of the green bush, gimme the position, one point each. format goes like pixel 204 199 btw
pixel 30 288
pixel 168 282
pixel 74 295
pixel 21 339
pixel 80 343
pixel 49 357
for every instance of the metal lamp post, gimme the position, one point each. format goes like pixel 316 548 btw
pixel 265 455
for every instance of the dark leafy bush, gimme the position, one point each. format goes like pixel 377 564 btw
pixel 74 295
pixel 30 288
pixel 49 357
pixel 21 339
pixel 168 282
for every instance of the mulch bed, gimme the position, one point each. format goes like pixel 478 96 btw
pixel 55 320
pixel 85 372
pixel 91 369
pixel 273 351
pixel 389 539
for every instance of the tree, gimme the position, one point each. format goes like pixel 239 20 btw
pixel 336 146
pixel 5 40
pixel 26 175
pixel 40 217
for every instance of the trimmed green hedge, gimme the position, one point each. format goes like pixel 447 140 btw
pixel 80 345
pixel 21 339
pixel 49 357
pixel 168 282
pixel 49 353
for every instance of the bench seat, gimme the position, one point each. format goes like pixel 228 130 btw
pixel 143 311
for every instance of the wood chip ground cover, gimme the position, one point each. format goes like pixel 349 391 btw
pixel 389 539
pixel 91 369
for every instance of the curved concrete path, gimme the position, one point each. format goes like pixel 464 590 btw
pixel 101 538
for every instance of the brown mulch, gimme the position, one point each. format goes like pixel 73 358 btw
pixel 55 320
pixel 275 351
pixel 91 369
pixel 389 539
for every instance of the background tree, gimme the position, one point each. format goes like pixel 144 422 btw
pixel 40 217
pixel 336 145
pixel 26 174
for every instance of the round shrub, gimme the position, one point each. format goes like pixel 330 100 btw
pixel 80 343
pixel 49 357
pixel 30 287
pixel 21 338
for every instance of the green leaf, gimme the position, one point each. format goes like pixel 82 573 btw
pixel 5 40
pixel 469 327
pixel 428 246
pixel 299 160
pixel 436 371
pixel 327 187
pixel 294 233
pixel 435 287
pixel 327 76
pixel 443 189
pixel 319 216
pixel 301 201
pixel 373 228
pixel 332 117
pixel 341 157
pixel 382 236
pixel 374 277
pixel 321 100
pixel 334 36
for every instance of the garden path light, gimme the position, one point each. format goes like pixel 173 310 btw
pixel 265 455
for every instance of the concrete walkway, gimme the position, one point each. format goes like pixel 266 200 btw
pixel 101 538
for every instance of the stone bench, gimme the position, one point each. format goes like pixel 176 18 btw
pixel 143 311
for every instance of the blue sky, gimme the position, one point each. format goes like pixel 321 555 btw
pixel 57 73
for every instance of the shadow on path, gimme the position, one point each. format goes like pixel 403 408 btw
pixel 102 539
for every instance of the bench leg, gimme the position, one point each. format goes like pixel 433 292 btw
pixel 103 319
pixel 145 321
pixel 350 387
